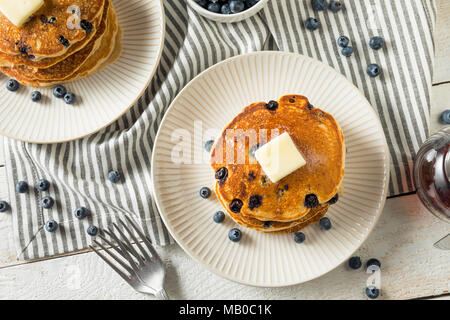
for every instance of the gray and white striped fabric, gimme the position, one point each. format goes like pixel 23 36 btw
pixel 78 170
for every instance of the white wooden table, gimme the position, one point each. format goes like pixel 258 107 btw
pixel 402 240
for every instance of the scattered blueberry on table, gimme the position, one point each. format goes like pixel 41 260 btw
pixel 22 187
pixel 373 262
pixel 445 117
pixel 319 5
pixel 376 43
pixel 335 6
pixel 355 263
pixel 205 192
pixel 36 96
pixel 347 51
pixel 43 185
pixel 312 24
pixel 80 213
pixel 343 41
pixel 114 176
pixel 51 226
pixel 219 217
pixel 235 235
pixel 4 206
pixel 372 292
pixel 299 237
pixel 70 98
pixel 226 6
pixel 59 91
pixel 325 223
pixel 12 85
pixel 374 70
pixel 92 231
pixel 47 202
pixel 208 145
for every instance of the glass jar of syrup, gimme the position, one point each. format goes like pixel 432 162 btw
pixel 432 174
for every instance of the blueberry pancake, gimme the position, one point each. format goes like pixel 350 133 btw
pixel 8 60
pixel 244 188
pixel 313 216
pixel 75 65
pixel 46 33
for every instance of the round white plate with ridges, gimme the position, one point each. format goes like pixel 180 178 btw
pixel 213 99
pixel 101 98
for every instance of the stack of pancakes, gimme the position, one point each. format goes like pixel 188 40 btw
pixel 64 41
pixel 301 198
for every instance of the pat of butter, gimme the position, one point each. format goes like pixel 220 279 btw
pixel 279 157
pixel 18 11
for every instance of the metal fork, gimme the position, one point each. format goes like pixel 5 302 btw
pixel 142 269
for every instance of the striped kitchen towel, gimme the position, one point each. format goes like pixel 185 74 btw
pixel 78 170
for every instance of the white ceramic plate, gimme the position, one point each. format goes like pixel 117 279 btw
pixel 215 97
pixel 102 97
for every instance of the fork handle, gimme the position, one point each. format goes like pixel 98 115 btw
pixel 162 295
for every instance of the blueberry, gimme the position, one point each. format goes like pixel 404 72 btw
pixel 325 223
pixel 92 231
pixel 334 200
pixel 267 224
pixel 80 213
pixel 225 9
pixel 343 41
pixel 64 41
pixel 236 205
pixel 376 43
pixel 319 5
pixel 43 185
pixel 219 217
pixel 205 192
pixel 311 201
pixel 255 202
pixel 312 24
pixel 86 26
pixel 36 96
pixel 114 176
pixel 250 3
pixel 372 292
pixel 47 202
pixel 355 263
pixel 59 91
pixel 4 206
pixel 271 105
pixel 299 237
pixel 235 235
pixel 221 174
pixel 347 51
pixel 214 7
pixel 70 98
pixel 445 117
pixel 208 145
pixel 237 6
pixel 373 262
pixel 12 85
pixel 335 6
pixel 374 70
pixel 202 3
pixel 52 20
pixel 44 18
pixel 51 226
pixel 22 187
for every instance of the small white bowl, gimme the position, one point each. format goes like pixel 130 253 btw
pixel 228 18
